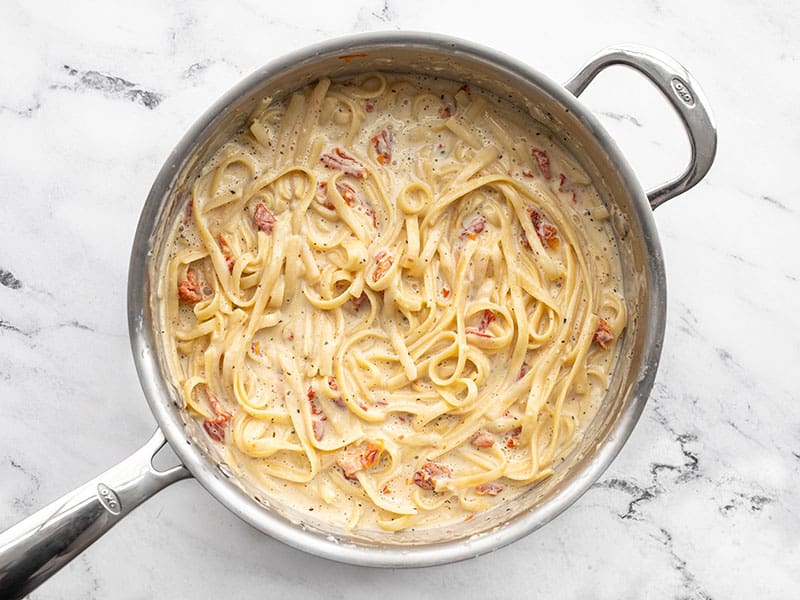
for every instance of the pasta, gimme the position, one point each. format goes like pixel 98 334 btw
pixel 393 300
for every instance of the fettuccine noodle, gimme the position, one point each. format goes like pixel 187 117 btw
pixel 392 300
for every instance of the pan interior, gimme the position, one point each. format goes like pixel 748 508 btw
pixel 641 261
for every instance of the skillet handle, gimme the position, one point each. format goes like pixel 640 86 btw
pixel 37 547
pixel 682 92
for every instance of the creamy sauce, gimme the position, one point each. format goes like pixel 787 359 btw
pixel 393 301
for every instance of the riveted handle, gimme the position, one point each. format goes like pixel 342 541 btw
pixel 36 548
pixel 683 93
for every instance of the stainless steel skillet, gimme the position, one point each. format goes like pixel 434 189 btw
pixel 37 547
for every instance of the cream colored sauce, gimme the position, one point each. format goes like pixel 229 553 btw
pixel 406 338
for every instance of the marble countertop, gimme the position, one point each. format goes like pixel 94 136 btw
pixel 703 501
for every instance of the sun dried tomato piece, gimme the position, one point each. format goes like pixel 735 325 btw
pixel 547 233
pixel 351 198
pixel 318 428
pixel 187 214
pixel 372 455
pixel 486 319
pixel 334 385
pixel 482 439
pixel 474 228
pixel 543 161
pixel 347 58
pixel 322 195
pixel 189 290
pixel 371 213
pixel 227 253
pixel 602 335
pixel 523 239
pixel 522 371
pixel 318 416
pixel 347 192
pixel 263 218
pixel 513 439
pixel 488 489
pixel 215 429
pixel 358 459
pixel 217 407
pixel 312 400
pixel 430 474
pixel 339 159
pixel 384 145
pixel 383 262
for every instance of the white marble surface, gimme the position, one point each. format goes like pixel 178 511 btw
pixel 704 500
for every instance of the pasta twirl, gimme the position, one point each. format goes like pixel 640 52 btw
pixel 395 300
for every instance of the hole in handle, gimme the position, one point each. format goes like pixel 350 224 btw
pixel 165 459
pixel 644 126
